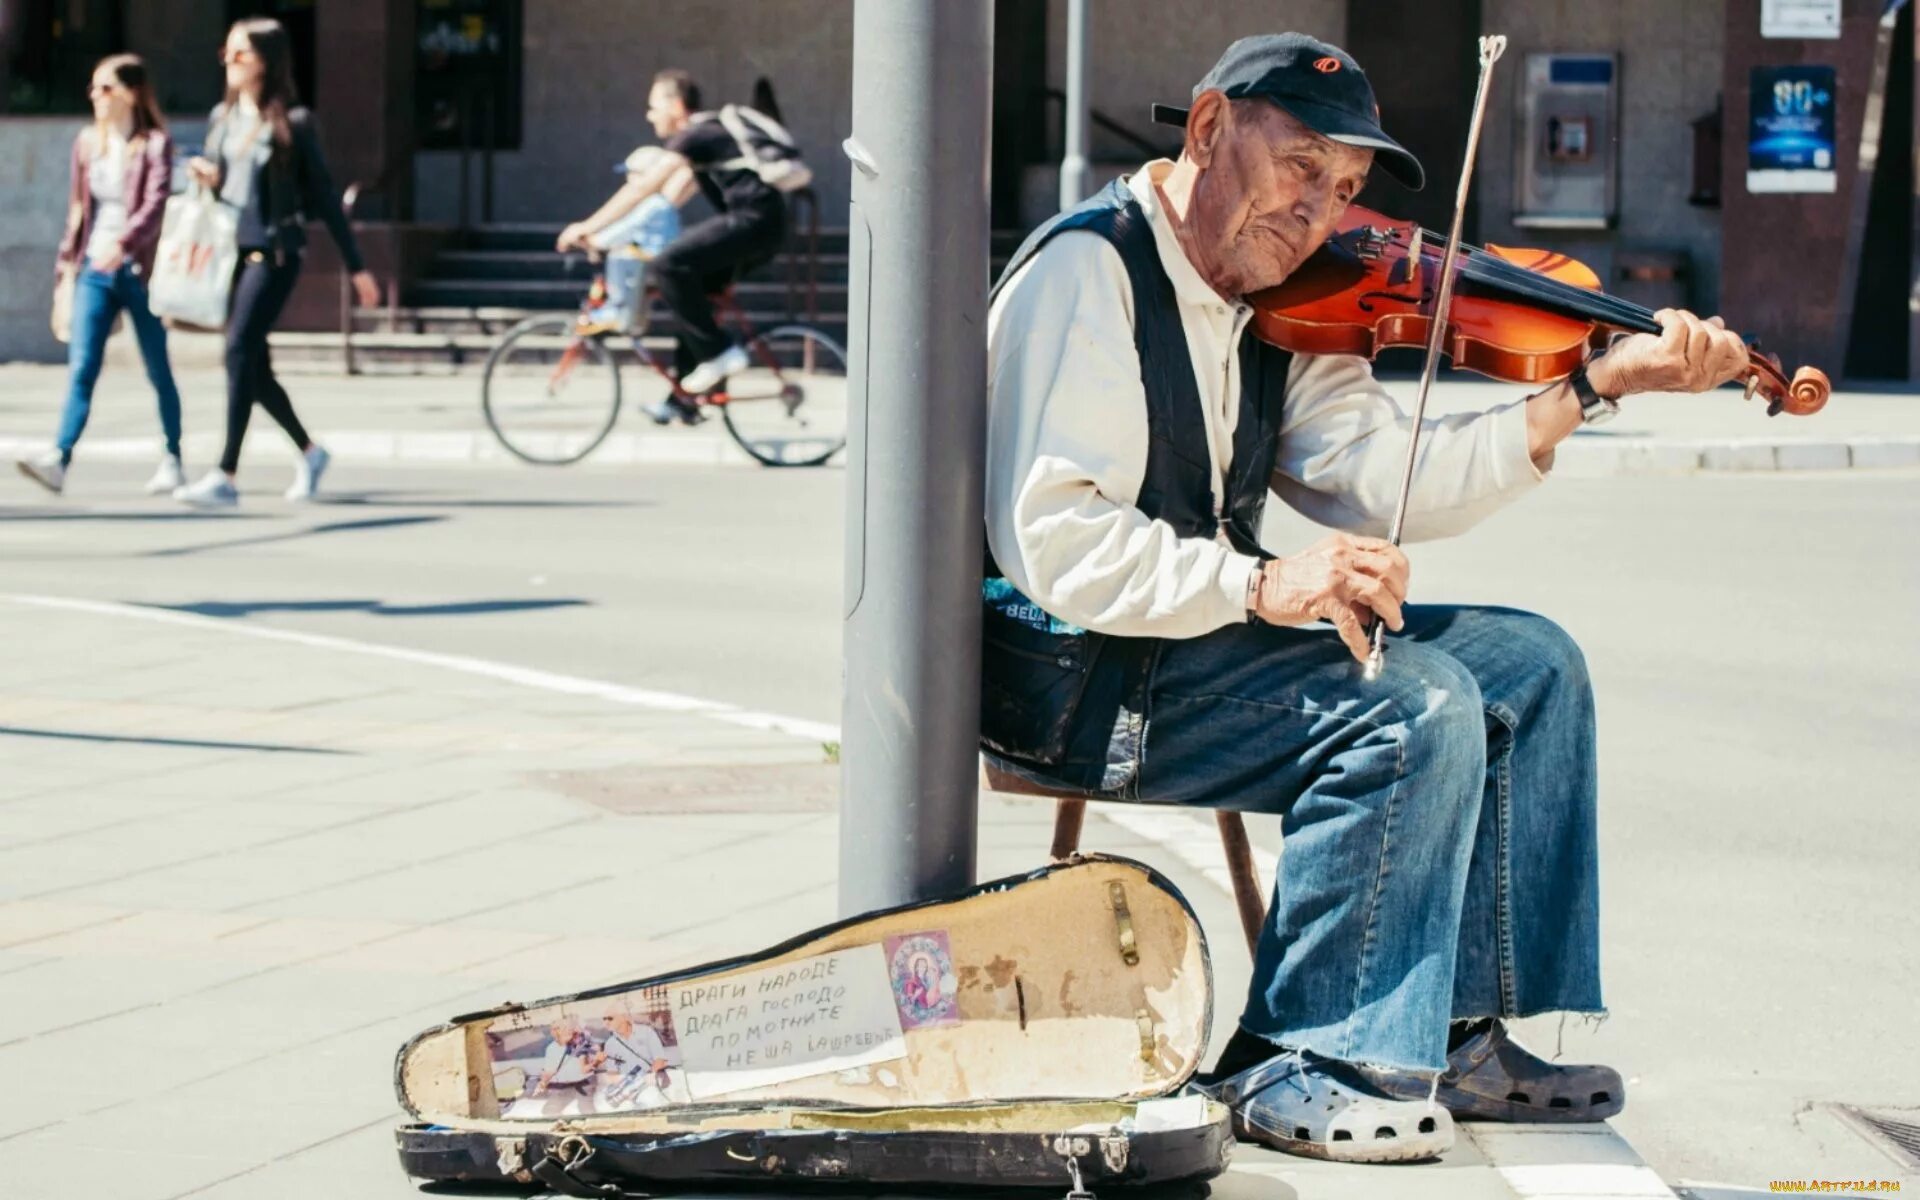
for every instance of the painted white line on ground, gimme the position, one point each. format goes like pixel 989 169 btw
pixel 1536 1162
pixel 1189 837
pixel 1567 1162
pixel 550 681
pixel 420 447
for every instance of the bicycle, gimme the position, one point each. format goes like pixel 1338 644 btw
pixel 551 389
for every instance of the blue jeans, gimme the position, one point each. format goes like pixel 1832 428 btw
pixel 97 300
pixel 1440 859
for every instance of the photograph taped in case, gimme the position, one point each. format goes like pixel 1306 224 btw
pixel 621 1056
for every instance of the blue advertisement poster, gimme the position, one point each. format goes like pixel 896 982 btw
pixel 1790 143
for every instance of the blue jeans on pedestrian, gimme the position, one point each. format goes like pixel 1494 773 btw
pixel 97 299
pixel 1439 860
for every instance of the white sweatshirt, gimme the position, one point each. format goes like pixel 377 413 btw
pixel 1067 444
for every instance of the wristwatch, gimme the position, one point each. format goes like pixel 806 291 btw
pixel 1594 408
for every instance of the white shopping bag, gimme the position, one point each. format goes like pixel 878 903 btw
pixel 193 273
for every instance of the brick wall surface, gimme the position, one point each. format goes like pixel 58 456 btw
pixel 1670 58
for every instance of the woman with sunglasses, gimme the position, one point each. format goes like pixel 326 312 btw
pixel 122 167
pixel 263 157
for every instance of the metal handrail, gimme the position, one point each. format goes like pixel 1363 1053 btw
pixel 811 201
pixel 1138 141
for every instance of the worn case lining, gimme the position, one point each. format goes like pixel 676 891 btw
pixel 1049 1008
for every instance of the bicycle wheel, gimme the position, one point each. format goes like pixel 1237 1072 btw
pixel 550 395
pixel 790 408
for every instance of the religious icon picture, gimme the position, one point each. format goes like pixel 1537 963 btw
pixel 924 986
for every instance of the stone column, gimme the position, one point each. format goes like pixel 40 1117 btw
pixel 1783 266
pixel 363 70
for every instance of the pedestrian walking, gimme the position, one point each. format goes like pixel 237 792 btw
pixel 122 166
pixel 263 157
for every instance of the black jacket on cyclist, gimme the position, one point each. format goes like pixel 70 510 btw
pixel 707 145
pixel 749 229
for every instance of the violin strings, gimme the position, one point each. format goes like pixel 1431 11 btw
pixel 1533 285
pixel 1494 270
pixel 1576 302
pixel 1539 286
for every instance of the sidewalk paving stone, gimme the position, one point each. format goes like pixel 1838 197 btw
pixel 268 927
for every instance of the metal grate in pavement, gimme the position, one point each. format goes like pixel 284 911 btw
pixel 703 789
pixel 1895 1132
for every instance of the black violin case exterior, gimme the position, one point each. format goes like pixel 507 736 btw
pixel 1033 1032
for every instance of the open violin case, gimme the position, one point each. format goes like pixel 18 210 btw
pixel 1035 1032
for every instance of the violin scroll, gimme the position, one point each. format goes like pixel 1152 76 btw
pixel 1801 396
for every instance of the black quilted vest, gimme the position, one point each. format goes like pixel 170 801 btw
pixel 1065 704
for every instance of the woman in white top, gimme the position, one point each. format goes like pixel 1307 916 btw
pixel 122 169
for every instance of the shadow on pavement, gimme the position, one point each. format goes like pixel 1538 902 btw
pixel 78 514
pixel 404 499
pixel 377 608
pixel 68 735
pixel 370 523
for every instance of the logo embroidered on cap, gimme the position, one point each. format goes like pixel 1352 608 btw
pixel 1327 65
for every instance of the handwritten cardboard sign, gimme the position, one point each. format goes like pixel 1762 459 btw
pixel 810 1017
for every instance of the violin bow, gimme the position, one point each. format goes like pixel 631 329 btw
pixel 1492 46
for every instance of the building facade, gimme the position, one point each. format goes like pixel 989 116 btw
pixel 464 111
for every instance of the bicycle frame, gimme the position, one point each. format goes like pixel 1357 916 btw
pixel 726 308
pixel 729 313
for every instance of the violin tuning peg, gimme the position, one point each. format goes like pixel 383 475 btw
pixel 1753 384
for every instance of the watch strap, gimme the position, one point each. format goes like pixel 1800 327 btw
pixel 1593 406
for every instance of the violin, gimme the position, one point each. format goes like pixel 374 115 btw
pixel 1522 316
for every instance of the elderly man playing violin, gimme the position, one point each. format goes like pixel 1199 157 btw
pixel 1440 874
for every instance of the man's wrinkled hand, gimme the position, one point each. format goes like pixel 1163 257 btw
pixel 1690 354
pixel 1343 579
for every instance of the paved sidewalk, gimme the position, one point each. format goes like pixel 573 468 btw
pixel 428 419
pixel 239 864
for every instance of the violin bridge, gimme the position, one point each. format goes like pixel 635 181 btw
pixel 1406 273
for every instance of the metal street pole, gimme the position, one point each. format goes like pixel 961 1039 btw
pixel 1076 173
pixel 918 250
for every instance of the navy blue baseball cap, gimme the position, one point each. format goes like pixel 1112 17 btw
pixel 1318 84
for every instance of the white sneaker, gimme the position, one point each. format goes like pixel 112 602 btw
pixel 214 490
pixel 169 476
pixel 708 375
pixel 47 470
pixel 306 476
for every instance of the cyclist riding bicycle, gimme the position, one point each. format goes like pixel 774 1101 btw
pixel 742 161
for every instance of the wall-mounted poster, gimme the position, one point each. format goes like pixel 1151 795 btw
pixel 1790 142
pixel 467 74
pixel 1800 18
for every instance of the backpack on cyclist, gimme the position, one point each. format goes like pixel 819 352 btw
pixel 766 148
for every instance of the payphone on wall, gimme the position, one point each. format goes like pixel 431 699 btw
pixel 1565 145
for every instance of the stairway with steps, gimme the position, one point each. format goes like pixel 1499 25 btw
pixel 495 275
